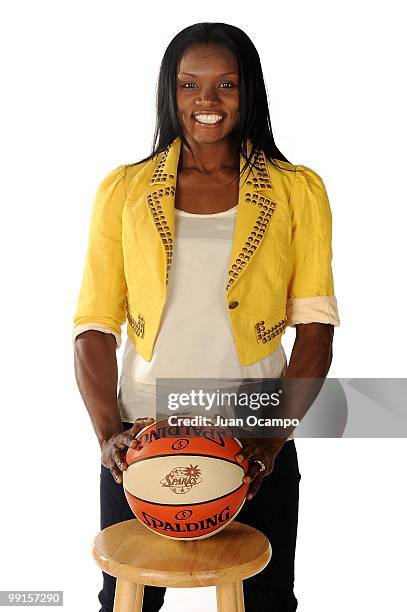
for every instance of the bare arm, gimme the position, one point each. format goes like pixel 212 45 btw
pixel 309 364
pixel 311 356
pixel 96 375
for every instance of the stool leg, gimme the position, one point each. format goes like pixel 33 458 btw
pixel 128 596
pixel 230 597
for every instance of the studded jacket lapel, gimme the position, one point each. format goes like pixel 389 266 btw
pixel 160 200
pixel 254 211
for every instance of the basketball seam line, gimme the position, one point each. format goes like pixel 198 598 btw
pixel 185 455
pixel 190 504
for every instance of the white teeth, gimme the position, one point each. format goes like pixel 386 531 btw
pixel 208 118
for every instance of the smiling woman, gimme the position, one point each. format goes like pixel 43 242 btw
pixel 210 247
pixel 208 103
pixel 208 92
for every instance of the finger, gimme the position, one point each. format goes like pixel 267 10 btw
pixel 124 443
pixel 116 473
pixel 244 453
pixel 140 423
pixel 143 419
pixel 128 440
pixel 119 460
pixel 254 470
pixel 254 487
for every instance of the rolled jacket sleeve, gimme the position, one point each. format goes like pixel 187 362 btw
pixel 311 296
pixel 102 295
pixel 79 329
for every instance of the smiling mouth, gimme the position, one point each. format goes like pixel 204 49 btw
pixel 207 119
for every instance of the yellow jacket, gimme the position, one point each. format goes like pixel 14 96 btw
pixel 280 267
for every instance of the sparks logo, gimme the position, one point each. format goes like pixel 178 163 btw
pixel 182 479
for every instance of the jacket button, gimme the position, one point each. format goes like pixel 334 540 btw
pixel 233 304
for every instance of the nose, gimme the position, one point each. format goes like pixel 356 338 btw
pixel 208 95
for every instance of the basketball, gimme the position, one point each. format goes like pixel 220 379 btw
pixel 183 482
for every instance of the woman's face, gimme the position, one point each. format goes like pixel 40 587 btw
pixel 208 93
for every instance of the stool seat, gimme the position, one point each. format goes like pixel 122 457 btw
pixel 136 556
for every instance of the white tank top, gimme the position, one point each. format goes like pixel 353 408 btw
pixel 195 339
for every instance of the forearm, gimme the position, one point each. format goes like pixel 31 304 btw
pixel 308 367
pixel 311 356
pixel 96 375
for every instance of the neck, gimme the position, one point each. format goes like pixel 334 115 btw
pixel 208 158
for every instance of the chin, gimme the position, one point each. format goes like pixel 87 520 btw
pixel 209 138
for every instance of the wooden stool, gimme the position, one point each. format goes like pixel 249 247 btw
pixel 137 557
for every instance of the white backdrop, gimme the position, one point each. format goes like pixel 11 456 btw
pixel 78 100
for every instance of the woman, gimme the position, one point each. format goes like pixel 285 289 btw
pixel 216 208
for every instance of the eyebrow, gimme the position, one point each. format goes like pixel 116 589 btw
pixel 192 74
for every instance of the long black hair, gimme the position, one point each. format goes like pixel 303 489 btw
pixel 254 122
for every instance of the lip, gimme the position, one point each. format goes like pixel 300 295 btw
pixel 208 112
pixel 208 125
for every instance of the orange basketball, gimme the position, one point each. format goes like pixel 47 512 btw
pixel 183 482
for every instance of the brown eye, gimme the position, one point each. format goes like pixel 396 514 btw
pixel 186 85
pixel 228 84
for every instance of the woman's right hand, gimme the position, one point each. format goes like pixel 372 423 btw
pixel 115 448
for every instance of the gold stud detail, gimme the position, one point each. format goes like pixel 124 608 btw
pixel 159 175
pixel 264 335
pixel 261 178
pixel 267 208
pixel 137 326
pixel 161 223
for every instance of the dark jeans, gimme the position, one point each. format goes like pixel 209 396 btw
pixel 273 510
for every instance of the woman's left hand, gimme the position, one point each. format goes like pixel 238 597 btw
pixel 266 451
